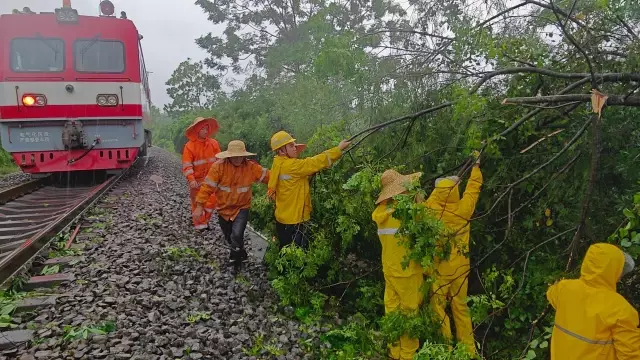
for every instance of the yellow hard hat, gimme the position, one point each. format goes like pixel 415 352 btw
pixel 280 139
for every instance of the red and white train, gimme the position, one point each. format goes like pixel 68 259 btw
pixel 74 91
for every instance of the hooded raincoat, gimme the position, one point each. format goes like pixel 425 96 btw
pixel 197 156
pixel 451 282
pixel 402 286
pixel 592 320
pixel 290 183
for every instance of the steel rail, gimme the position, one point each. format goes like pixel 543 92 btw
pixel 17 191
pixel 16 260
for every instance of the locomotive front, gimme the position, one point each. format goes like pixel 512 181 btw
pixel 73 90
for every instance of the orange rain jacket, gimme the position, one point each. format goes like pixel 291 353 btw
pixel 197 157
pixel 593 321
pixel 231 186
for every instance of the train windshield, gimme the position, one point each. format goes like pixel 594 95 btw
pixel 37 55
pixel 99 56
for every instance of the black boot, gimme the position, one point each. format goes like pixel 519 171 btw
pixel 243 255
pixel 235 261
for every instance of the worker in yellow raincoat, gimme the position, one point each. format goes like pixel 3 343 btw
pixel 452 274
pixel 289 185
pixel 402 286
pixel 593 321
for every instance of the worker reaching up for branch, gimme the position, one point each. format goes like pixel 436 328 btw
pixel 230 180
pixel 592 320
pixel 197 156
pixel 402 286
pixel 452 274
pixel 289 185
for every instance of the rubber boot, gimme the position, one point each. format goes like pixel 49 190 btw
pixel 235 261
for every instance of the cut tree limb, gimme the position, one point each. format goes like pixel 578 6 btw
pixel 554 99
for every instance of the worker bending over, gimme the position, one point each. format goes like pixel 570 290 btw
pixel 451 275
pixel 592 320
pixel 230 180
pixel 402 286
pixel 197 156
pixel 289 185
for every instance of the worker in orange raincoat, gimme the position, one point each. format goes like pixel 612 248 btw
pixel 402 286
pixel 197 156
pixel 451 275
pixel 289 185
pixel 230 180
pixel 592 320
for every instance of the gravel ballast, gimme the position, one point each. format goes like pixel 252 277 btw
pixel 166 301
pixel 13 179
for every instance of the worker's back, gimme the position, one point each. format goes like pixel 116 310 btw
pixel 592 320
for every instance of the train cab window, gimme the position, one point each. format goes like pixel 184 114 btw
pixel 37 55
pixel 99 56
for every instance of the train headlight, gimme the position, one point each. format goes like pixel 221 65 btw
pixel 107 100
pixel 34 100
pixel 107 8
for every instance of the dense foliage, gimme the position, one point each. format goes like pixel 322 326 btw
pixel 557 177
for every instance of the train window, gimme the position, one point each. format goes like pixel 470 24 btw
pixel 99 56
pixel 37 55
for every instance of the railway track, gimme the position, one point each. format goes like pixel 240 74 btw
pixel 33 213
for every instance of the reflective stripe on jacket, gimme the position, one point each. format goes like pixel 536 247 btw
pixel 232 186
pixel 197 157
pixel 593 321
pixel 392 252
pixel 290 182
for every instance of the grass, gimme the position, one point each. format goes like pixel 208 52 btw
pixel 7 169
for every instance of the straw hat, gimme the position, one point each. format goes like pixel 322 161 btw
pixel 393 183
pixel 234 149
pixel 211 122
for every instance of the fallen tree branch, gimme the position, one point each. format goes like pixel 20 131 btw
pixel 613 100
pixel 608 77
pixel 538 169
pixel 402 118
pixel 535 196
pixel 554 99
pixel 540 140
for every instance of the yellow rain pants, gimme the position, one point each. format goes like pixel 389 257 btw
pixel 402 286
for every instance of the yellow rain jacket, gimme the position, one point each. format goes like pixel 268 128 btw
pixel 455 214
pixel 451 282
pixel 402 286
pixel 290 183
pixel 392 252
pixel 593 321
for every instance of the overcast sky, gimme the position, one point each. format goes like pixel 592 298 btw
pixel 169 27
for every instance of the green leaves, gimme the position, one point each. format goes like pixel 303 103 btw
pixel 72 333
pixel 628 234
pixel 191 88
